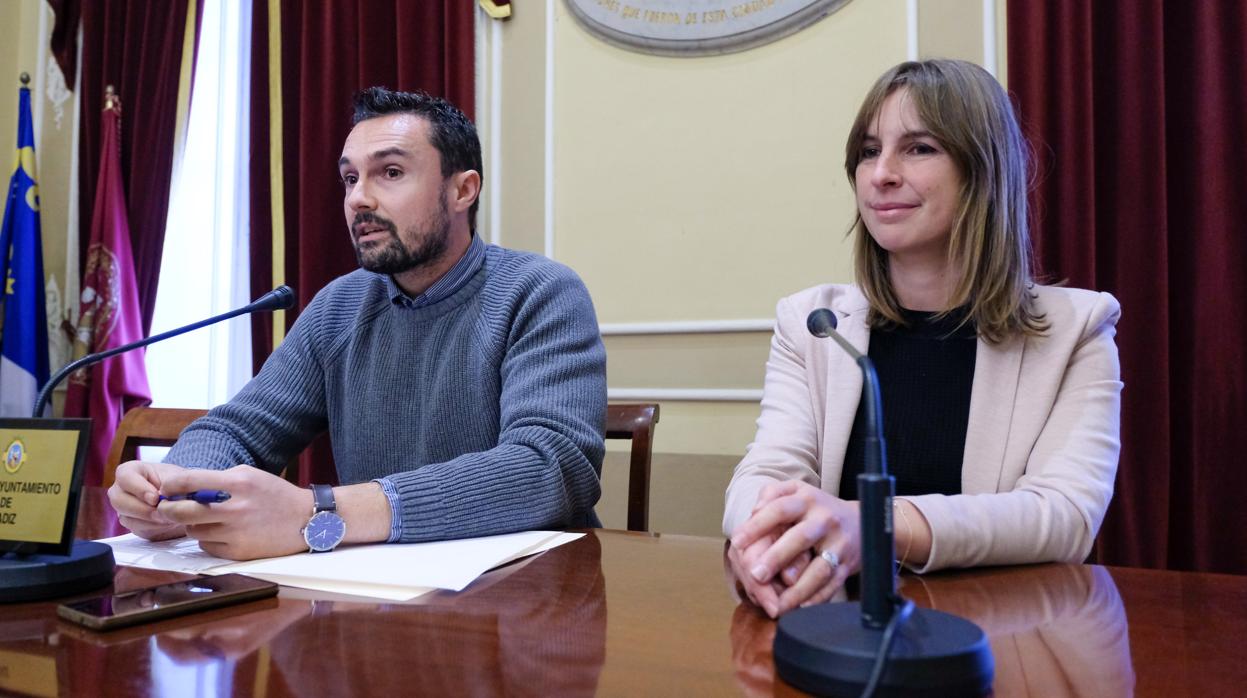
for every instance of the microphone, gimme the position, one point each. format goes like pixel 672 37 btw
pixel 874 487
pixel 842 649
pixel 279 298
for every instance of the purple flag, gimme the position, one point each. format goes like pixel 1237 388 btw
pixel 109 312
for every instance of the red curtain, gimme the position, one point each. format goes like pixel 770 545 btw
pixel 329 51
pixel 1136 109
pixel 64 42
pixel 137 47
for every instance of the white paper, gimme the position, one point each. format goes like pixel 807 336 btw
pixel 174 555
pixel 390 571
pixel 545 545
pixel 449 564
pixel 360 589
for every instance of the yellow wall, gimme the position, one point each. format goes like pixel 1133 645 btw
pixel 683 189
pixel 692 189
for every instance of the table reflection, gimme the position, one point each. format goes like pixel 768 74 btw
pixel 537 626
pixel 1055 630
pixel 536 630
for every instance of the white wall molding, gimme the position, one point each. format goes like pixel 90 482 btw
pixel 911 30
pixel 686 394
pixel 495 132
pixel 687 327
pixel 989 37
pixel 549 135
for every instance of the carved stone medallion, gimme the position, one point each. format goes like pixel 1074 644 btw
pixel 697 27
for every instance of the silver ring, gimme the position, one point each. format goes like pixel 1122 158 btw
pixel 832 559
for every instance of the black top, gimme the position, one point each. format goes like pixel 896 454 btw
pixel 926 371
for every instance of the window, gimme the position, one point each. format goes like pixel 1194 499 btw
pixel 205 269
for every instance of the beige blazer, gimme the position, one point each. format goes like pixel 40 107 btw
pixel 1041 445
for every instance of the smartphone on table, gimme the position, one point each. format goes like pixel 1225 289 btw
pixel 164 601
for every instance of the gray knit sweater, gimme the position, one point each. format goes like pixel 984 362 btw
pixel 485 410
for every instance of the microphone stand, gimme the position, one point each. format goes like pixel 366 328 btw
pixel 846 649
pixel 278 299
pixel 88 564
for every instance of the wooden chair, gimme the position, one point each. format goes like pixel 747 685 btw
pixel 145 426
pixel 160 426
pixel 635 422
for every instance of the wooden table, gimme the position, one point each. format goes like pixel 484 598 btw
pixel 619 613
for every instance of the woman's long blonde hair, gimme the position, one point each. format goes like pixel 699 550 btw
pixel 969 114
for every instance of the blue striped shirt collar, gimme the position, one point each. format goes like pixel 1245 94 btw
pixel 450 282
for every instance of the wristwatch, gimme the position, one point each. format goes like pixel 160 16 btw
pixel 325 530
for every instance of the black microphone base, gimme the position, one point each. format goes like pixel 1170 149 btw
pixel 89 565
pixel 825 650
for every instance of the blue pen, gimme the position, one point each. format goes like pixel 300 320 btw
pixel 201 496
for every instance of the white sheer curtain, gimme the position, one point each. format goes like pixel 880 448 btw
pixel 205 267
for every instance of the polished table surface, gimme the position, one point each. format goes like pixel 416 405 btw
pixel 619 613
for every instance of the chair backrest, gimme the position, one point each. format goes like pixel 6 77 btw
pixel 145 426
pixel 160 426
pixel 635 422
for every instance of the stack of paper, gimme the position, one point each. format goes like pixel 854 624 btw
pixel 389 571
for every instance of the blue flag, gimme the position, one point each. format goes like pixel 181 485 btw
pixel 24 334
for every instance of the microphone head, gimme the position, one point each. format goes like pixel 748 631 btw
pixel 821 322
pixel 279 298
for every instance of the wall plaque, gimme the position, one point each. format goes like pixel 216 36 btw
pixel 697 27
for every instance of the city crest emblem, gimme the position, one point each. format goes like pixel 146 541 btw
pixel 697 27
pixel 14 456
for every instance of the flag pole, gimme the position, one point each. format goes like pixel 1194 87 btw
pixel 108 314
pixel 23 340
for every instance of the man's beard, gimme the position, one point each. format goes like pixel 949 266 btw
pixel 392 256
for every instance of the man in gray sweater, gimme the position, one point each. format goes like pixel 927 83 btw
pixel 463 384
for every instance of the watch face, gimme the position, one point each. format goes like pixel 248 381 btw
pixel 324 531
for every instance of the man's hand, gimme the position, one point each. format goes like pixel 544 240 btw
pixel 810 520
pixel 264 516
pixel 135 494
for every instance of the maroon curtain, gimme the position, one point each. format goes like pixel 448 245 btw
pixel 1136 109
pixel 136 46
pixel 64 41
pixel 329 51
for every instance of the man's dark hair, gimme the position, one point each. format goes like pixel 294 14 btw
pixel 451 132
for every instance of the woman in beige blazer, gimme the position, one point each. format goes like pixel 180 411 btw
pixel 966 344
